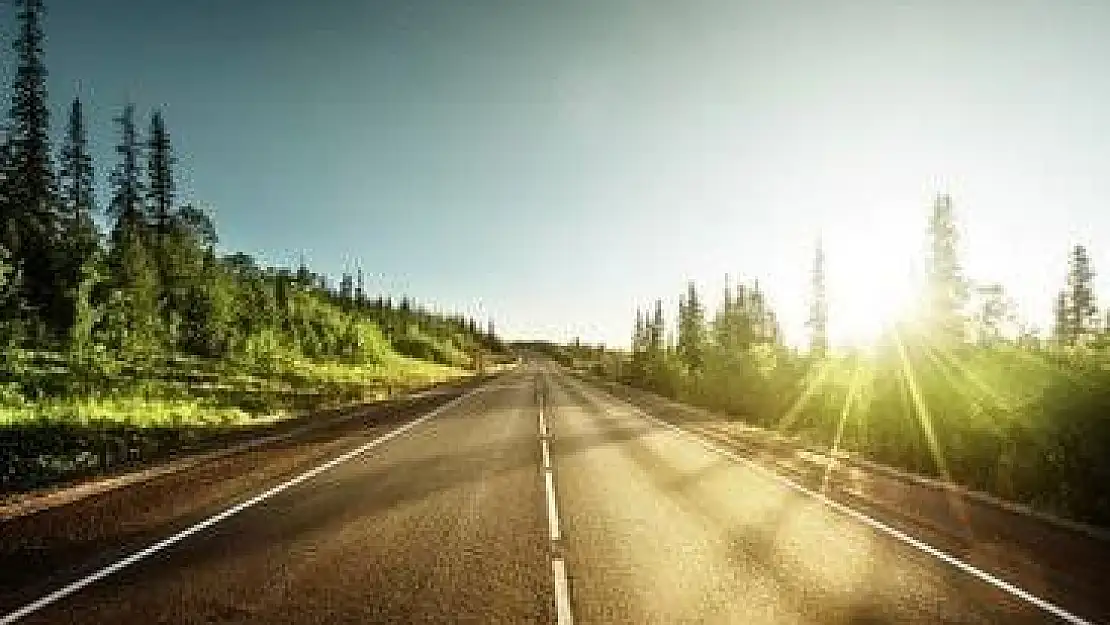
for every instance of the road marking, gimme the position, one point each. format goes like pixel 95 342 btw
pixel 119 565
pixel 73 494
pixel 546 455
pixel 873 523
pixel 562 593
pixel 552 511
pixel 558 566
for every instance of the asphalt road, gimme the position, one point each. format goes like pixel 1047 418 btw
pixel 492 510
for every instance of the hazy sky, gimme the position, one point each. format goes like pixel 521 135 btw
pixel 554 164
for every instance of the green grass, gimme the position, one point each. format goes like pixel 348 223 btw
pixel 129 415
pixel 1031 426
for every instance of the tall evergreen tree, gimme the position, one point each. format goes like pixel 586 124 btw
pixel 78 201
pixel 160 185
pixel 79 248
pixel 948 291
pixel 819 306
pixel 691 330
pixel 29 221
pixel 1082 311
pixel 127 192
pixel 657 328
pixel 347 287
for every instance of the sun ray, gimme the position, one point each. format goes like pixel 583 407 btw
pixel 925 421
pixel 849 401
pixel 951 363
pixel 813 383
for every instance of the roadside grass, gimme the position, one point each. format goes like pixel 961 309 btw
pixel 1031 428
pixel 1028 425
pixel 125 415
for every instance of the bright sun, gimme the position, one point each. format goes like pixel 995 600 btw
pixel 870 287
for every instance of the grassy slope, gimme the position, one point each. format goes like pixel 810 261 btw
pixel 132 416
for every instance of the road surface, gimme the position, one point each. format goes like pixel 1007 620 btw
pixel 486 509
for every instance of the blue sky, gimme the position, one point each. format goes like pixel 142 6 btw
pixel 555 164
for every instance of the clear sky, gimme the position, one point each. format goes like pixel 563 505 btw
pixel 554 164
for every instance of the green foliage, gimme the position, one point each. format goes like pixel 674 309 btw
pixel 947 288
pixel 1005 413
pixel 11 309
pixel 1076 311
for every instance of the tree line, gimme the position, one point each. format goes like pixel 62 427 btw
pixel 960 389
pixel 154 283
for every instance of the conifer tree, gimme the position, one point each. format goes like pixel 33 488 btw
pixel 29 220
pixel 77 198
pixel 1082 311
pixel 819 307
pixel 80 245
pixel 160 187
pixel 127 188
pixel 691 330
pixel 948 291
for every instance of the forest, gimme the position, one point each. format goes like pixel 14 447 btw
pixel 960 390
pixel 124 345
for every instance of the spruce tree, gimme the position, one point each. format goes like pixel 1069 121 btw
pixel 1082 311
pixel 691 330
pixel 819 307
pixel 346 288
pixel 160 185
pixel 29 220
pixel 948 291
pixel 80 244
pixel 127 192
pixel 77 198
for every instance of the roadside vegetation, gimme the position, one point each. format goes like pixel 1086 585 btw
pixel 135 343
pixel 960 391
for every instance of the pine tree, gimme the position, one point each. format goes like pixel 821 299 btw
pixel 948 290
pixel 347 287
pixel 80 242
pixel 656 332
pixel 691 330
pixel 1082 311
pixel 78 201
pixel 29 220
pixel 127 193
pixel 160 185
pixel 819 307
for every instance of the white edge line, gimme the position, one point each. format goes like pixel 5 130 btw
pixel 562 593
pixel 119 565
pixel 72 494
pixel 918 544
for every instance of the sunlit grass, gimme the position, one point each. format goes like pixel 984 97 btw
pixel 126 411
